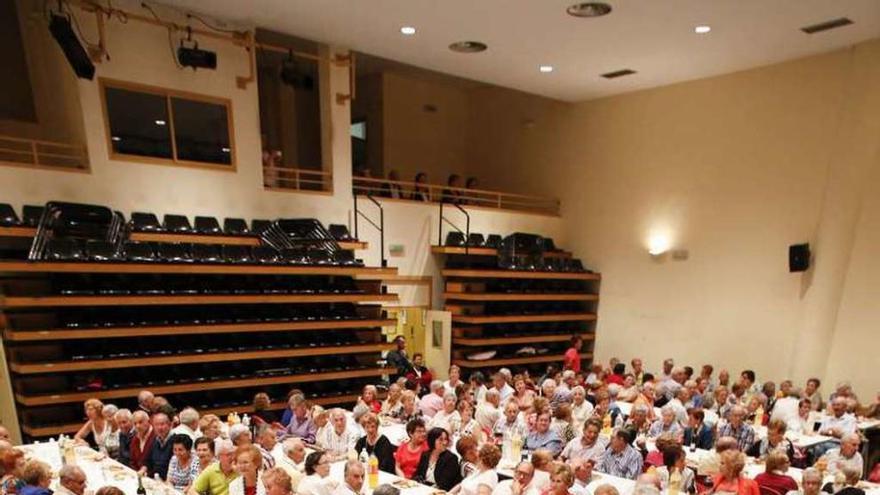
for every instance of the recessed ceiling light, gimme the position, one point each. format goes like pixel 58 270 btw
pixel 588 9
pixel 116 138
pixel 468 47
pixel 702 29
pixel 225 150
pixel 160 122
pixel 546 68
pixel 408 30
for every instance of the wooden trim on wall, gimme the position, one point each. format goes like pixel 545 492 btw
pixel 168 94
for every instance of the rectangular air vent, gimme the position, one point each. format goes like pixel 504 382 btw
pixel 825 26
pixel 618 73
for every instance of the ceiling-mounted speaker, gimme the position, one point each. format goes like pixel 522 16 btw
pixel 195 57
pixel 798 257
pixel 63 33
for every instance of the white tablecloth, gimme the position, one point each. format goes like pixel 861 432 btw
pixel 99 469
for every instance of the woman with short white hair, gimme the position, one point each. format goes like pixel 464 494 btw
pixel 447 418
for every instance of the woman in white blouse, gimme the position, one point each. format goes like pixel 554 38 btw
pixel 485 479
pixel 248 461
pixel 317 480
pixel 446 418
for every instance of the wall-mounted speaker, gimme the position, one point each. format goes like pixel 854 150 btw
pixel 798 257
pixel 63 33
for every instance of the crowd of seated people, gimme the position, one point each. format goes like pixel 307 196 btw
pixel 457 191
pixel 568 423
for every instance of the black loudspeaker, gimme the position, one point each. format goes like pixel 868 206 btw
pixel 196 58
pixel 72 48
pixel 798 257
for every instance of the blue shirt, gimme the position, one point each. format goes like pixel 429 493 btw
pixel 549 440
pixel 159 456
pixel 624 464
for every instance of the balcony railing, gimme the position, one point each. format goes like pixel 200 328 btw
pixel 296 179
pixel 436 193
pixel 43 154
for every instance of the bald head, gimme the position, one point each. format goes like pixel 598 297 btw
pixel 725 443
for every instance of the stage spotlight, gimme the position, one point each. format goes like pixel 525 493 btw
pixel 63 33
pixel 292 75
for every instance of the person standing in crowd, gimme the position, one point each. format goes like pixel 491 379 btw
pixel 572 358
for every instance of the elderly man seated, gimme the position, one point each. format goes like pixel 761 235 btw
pixel 433 401
pixel 621 459
pixel 511 424
pixel 840 422
pixel 292 459
pixel 811 483
pixel 846 456
pixel 666 424
pixel 738 429
pixel 353 476
pixel 340 438
pixel 583 475
pixel 71 480
pixel 521 484
pixel 711 464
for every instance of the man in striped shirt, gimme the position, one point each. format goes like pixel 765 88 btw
pixel 738 429
pixel 621 459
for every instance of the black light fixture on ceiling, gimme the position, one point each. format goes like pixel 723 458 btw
pixel 293 76
pixel 62 31
pixel 194 56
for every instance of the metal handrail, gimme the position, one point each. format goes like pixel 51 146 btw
pixel 380 227
pixel 295 178
pixel 467 232
pixel 425 192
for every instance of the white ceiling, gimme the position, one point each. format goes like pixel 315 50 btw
pixel 654 37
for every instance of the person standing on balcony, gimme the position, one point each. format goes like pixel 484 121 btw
pixel 421 192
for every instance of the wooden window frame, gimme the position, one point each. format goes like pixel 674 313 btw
pixel 104 83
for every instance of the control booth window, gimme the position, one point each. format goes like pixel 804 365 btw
pixel 157 125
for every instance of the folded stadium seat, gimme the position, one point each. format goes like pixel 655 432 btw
pixel 144 222
pixel 493 241
pixel 207 225
pixel 31 215
pixel 139 252
pixel 101 251
pixel 475 240
pixel 174 252
pixel 258 226
pixel 294 256
pixel 549 245
pixel 237 254
pixel 177 223
pixel 235 226
pixel 339 232
pixel 455 239
pixel 265 255
pixel 346 258
pixel 206 253
pixel 8 218
pixel 318 256
pixel 575 265
pixel 63 249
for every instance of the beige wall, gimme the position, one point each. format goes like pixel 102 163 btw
pixel 733 169
pixel 415 140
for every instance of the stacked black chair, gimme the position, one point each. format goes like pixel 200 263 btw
pixel 291 236
pixel 455 239
pixel 207 226
pixel 31 215
pixel 493 241
pixel 177 224
pixel 236 254
pixel 258 226
pixel 521 251
pixel 235 226
pixel 139 252
pixel 475 240
pixel 65 230
pixel 8 218
pixel 340 232
pixel 206 253
pixel 144 222
pixel 265 255
pixel 174 252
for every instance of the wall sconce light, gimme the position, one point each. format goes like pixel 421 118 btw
pixel 658 244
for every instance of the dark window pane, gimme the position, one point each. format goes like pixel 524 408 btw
pixel 201 131
pixel 138 123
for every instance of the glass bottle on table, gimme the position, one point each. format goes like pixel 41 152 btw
pixel 140 488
